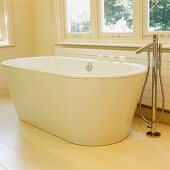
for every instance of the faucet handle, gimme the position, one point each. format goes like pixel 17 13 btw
pixel 122 59
pixel 111 58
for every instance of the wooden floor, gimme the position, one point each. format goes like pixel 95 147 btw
pixel 24 147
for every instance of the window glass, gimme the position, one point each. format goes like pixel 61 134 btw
pixel 159 15
pixel 78 16
pixel 117 16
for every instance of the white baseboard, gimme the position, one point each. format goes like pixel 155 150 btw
pixel 4 91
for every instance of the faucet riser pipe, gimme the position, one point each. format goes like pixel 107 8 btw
pixel 156 68
pixel 153 132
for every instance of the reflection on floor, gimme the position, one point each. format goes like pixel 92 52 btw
pixel 24 147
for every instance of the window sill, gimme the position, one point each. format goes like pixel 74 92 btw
pixel 104 45
pixel 6 45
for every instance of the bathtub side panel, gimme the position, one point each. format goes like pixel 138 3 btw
pixel 83 111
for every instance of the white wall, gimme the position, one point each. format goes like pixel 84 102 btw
pixel 23 34
pixel 43 27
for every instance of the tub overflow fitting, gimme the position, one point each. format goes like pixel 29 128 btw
pixel 89 67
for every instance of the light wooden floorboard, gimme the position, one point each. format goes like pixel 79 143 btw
pixel 24 147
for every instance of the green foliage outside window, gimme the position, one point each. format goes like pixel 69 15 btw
pixel 116 10
pixel 159 15
pixel 119 12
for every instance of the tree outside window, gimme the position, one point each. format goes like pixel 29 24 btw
pixel 159 15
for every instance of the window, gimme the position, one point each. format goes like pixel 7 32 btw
pixel 116 17
pixel 2 22
pixel 158 18
pixel 77 18
pixel 5 32
pixel 105 20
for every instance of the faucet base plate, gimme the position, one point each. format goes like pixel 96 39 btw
pixel 153 135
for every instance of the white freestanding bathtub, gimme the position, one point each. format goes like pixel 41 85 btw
pixel 60 96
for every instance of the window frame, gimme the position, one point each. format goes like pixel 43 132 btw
pixel 139 35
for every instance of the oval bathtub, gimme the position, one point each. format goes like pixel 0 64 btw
pixel 60 96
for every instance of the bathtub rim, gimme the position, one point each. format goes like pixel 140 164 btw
pixel 142 70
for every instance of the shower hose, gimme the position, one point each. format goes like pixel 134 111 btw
pixel 162 90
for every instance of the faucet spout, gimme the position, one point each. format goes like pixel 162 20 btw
pixel 149 46
pixel 145 48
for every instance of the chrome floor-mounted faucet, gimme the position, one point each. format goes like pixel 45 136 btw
pixel 156 69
